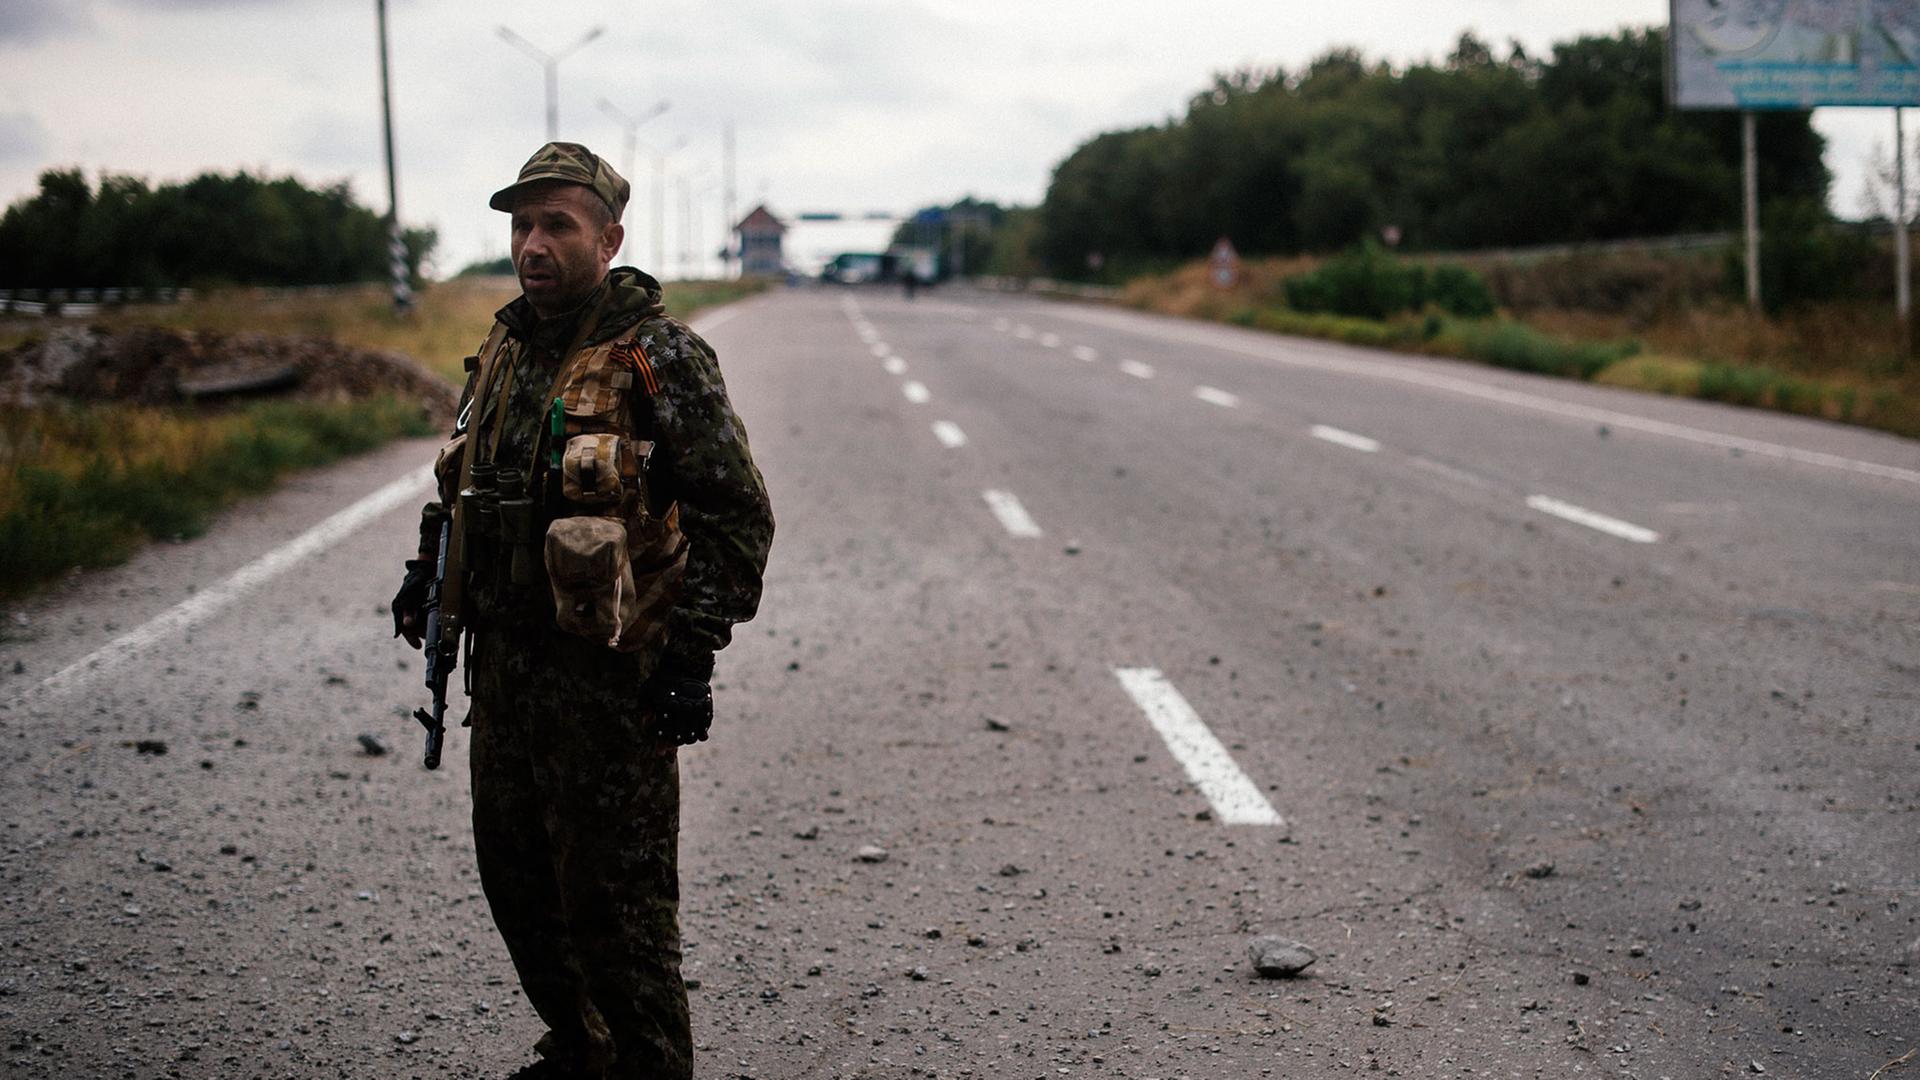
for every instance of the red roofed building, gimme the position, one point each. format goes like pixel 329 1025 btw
pixel 760 234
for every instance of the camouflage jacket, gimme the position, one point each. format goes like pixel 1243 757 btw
pixel 701 459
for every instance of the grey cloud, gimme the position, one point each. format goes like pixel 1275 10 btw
pixel 26 22
pixel 22 138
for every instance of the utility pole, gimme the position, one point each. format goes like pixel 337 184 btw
pixel 1902 253
pixel 728 209
pixel 551 62
pixel 396 245
pixel 1750 156
pixel 631 126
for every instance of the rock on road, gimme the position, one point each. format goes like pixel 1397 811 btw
pixel 1571 732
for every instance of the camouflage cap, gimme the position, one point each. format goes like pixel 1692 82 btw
pixel 569 163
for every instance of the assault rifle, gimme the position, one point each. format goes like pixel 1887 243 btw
pixel 442 650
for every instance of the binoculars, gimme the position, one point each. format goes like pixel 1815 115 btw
pixel 503 529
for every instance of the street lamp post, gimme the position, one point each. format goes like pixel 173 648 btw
pixel 630 125
pixel 551 62
pixel 660 203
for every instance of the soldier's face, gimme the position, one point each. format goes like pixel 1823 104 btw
pixel 561 248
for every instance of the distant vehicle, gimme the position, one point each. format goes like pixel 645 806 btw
pixel 860 268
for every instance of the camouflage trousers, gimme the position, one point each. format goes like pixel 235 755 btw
pixel 576 820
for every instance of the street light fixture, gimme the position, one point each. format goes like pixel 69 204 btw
pixel 551 62
pixel 630 125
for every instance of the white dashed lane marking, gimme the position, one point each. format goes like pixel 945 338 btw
pixel 880 348
pixel 1212 396
pixel 894 365
pixel 916 392
pixel 1137 369
pixel 949 434
pixel 1344 438
pixel 1235 799
pixel 1023 332
pixel 1013 517
pixel 1002 325
pixel 1086 352
pixel 1566 511
pixel 1051 341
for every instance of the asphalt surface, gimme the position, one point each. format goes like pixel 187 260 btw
pixel 1577 731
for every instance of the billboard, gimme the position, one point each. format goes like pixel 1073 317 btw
pixel 1793 54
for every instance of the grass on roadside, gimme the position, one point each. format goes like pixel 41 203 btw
pixel 1835 361
pixel 86 486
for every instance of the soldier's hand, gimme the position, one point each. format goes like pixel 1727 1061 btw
pixel 682 707
pixel 409 620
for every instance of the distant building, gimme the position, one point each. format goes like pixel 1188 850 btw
pixel 760 234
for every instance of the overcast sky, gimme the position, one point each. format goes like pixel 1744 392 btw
pixel 841 105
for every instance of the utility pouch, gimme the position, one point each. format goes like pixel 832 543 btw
pixel 446 468
pixel 601 470
pixel 592 577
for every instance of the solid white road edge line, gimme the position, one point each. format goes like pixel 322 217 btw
pixel 949 434
pixel 1625 530
pixel 894 365
pixel 1137 369
pixel 916 392
pixel 1235 799
pixel 1344 438
pixel 205 603
pixel 1215 397
pixel 1013 517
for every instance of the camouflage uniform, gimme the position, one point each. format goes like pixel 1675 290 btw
pixel 576 805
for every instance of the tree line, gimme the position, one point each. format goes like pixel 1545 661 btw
pixel 1479 150
pixel 214 229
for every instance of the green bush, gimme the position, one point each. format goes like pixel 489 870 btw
pixel 1521 348
pixel 1369 283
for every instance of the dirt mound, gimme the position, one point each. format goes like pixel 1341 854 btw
pixel 154 366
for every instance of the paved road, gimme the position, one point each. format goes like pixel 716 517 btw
pixel 1576 730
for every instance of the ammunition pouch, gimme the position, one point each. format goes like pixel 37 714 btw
pixel 615 567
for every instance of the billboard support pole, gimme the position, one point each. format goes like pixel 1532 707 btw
pixel 1902 254
pixel 1751 169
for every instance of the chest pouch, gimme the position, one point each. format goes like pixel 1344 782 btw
pixel 615 566
pixel 602 470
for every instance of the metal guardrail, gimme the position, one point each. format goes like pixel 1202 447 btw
pixel 85 303
pixel 81 303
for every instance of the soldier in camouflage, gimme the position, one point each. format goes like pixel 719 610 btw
pixel 575 775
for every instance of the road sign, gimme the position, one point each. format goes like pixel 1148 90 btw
pixel 1793 54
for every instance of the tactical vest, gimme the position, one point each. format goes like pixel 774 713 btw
pixel 577 518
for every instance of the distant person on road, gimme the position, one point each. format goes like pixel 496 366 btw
pixel 609 528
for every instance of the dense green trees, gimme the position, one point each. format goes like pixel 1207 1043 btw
pixel 238 229
pixel 1476 151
